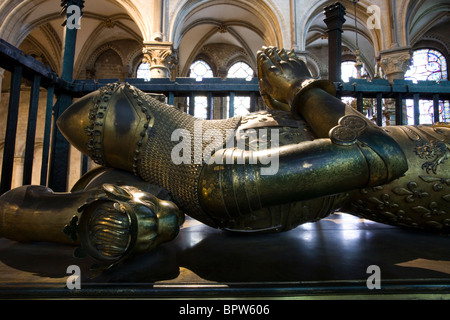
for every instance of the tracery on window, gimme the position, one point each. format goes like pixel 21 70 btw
pixel 427 65
pixel 199 70
pixel 241 70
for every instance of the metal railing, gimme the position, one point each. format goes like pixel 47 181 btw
pixel 53 165
pixel 378 90
pixel 26 67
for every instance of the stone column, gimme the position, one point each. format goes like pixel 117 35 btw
pixel 334 20
pixel 395 62
pixel 157 25
pixel 162 58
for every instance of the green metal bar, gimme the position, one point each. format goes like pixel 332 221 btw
pixel 11 130
pixel 360 102
pixel 416 109
pixel 399 109
pixel 209 102
pixel 379 109
pixel 59 155
pixel 59 159
pixel 436 107
pixel 334 19
pixel 231 108
pixel 47 131
pixel 192 104
pixel 252 102
pixel 31 130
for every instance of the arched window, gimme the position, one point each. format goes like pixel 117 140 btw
pixel 199 70
pixel 348 70
pixel 427 65
pixel 241 70
pixel 143 72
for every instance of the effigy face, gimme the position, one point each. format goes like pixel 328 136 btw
pixel 421 198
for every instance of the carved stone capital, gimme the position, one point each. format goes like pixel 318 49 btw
pixel 162 58
pixel 395 63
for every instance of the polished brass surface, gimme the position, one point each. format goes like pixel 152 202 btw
pixel 122 221
pixel 327 259
pixel 35 213
pixel 421 197
pixel 109 222
pixel 111 126
pixel 271 171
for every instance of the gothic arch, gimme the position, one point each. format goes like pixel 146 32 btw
pixel 314 65
pixel 17 23
pixel 100 50
pixel 432 42
pixel 418 16
pixel 247 51
pixel 134 60
pixel 246 24
pixel 370 41
pixel 12 15
pixel 39 50
pixel 263 10
pixel 239 57
pixel 315 13
pixel 86 57
pixel 220 56
pixel 144 23
pixel 206 58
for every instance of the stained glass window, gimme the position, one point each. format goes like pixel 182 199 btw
pixel 427 65
pixel 143 71
pixel 241 103
pixel 199 70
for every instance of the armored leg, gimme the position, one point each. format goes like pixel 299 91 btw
pixel 109 222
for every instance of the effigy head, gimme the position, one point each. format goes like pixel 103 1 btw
pixel 109 125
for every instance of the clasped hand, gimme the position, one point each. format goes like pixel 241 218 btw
pixel 280 76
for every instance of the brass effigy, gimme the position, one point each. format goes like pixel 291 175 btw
pixel 325 157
